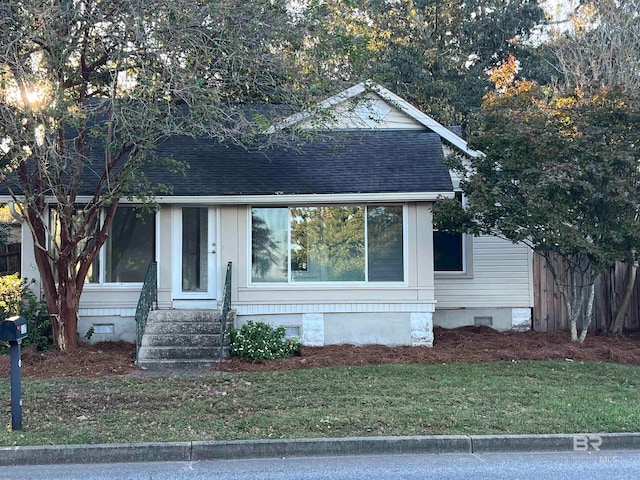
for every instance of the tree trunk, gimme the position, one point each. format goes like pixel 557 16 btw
pixel 618 321
pixel 65 332
pixel 66 335
pixel 588 316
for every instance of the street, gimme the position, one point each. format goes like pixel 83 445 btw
pixel 608 465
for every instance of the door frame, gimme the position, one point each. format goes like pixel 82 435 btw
pixel 194 300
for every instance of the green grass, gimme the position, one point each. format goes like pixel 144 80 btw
pixel 480 398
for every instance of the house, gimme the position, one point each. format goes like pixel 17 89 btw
pixel 332 238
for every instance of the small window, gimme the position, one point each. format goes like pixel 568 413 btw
pixel 448 254
pixel 452 251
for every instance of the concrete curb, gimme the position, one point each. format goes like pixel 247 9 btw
pixel 239 449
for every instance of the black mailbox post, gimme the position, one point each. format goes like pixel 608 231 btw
pixel 13 330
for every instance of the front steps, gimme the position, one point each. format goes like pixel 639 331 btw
pixel 184 339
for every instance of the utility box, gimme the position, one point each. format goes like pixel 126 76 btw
pixel 13 329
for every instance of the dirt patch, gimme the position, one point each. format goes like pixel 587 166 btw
pixel 467 344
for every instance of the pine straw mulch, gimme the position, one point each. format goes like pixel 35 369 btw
pixel 466 344
pixel 101 359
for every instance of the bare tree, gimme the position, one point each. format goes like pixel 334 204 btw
pixel 89 88
pixel 602 47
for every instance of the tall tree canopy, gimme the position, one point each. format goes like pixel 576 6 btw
pixel 116 77
pixel 434 53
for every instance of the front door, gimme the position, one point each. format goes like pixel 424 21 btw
pixel 194 272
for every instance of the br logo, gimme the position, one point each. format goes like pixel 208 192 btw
pixel 582 443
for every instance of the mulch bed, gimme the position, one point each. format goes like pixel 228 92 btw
pixel 467 344
pixel 101 359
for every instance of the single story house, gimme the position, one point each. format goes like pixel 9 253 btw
pixel 332 239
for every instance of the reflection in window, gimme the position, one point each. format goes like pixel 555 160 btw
pixel 384 235
pixel 269 244
pixel 130 246
pixel 328 244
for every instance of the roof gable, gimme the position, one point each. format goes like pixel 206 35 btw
pixel 343 110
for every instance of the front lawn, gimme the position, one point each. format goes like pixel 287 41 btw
pixel 480 398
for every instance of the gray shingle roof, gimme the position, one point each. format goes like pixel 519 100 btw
pixel 372 161
pixel 351 162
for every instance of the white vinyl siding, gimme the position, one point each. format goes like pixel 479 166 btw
pixel 502 277
pixel 345 116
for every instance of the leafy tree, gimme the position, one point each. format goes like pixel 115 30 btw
pixel 434 53
pixel 560 173
pixel 88 88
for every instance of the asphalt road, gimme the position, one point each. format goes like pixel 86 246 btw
pixel 610 465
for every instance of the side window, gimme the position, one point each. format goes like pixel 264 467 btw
pixel 452 251
pixel 448 254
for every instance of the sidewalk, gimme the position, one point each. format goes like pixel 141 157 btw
pixel 224 450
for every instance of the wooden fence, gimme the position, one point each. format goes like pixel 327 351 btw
pixel 550 314
pixel 10 259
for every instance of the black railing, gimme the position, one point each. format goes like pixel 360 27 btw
pixel 148 297
pixel 226 308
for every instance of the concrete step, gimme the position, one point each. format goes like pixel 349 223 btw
pixel 179 353
pixel 175 338
pixel 184 365
pixel 183 328
pixel 181 340
pixel 185 316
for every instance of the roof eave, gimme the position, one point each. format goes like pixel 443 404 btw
pixel 290 199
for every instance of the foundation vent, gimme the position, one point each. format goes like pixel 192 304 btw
pixel 488 321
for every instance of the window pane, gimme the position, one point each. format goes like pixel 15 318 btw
pixel 195 253
pixel 385 252
pixel 327 244
pixel 130 245
pixel 447 248
pixel 269 230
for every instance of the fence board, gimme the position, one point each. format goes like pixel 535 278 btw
pixel 550 314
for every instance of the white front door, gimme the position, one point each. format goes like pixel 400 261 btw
pixel 194 252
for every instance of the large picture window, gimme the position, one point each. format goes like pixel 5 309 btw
pixel 327 244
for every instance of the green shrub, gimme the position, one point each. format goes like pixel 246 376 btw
pixel 256 340
pixel 17 299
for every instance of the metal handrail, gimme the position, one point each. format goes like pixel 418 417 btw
pixel 148 297
pixel 226 307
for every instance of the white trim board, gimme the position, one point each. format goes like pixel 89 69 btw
pixel 272 309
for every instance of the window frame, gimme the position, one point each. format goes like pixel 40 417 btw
pixel 328 284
